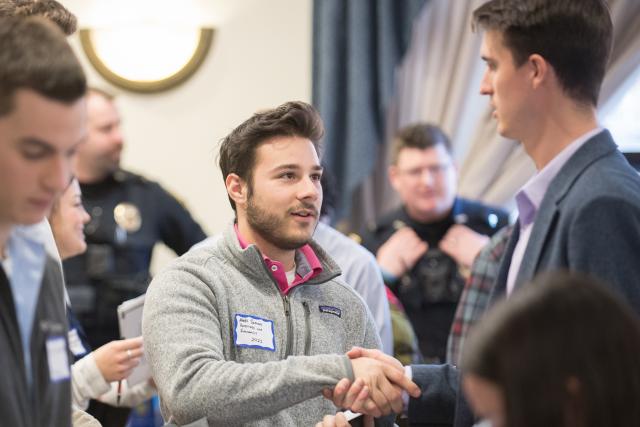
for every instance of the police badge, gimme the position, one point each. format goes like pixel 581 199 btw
pixel 127 216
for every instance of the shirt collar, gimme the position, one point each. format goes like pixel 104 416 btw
pixel 33 233
pixel 40 233
pixel 308 265
pixel 531 194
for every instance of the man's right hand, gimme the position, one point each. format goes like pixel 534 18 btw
pixel 377 389
pixel 401 251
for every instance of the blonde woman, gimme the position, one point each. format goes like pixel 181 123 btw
pixel 95 374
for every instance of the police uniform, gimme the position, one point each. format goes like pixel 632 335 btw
pixel 129 215
pixel 431 289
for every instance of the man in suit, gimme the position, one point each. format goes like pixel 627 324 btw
pixel 42 121
pixel 545 63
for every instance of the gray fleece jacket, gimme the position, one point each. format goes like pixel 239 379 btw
pixel 198 319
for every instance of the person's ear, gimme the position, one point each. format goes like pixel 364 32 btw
pixel 237 189
pixel 540 70
pixel 394 176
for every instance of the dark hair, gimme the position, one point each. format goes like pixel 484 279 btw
pixel 237 150
pixel 56 203
pixel 419 135
pixel 49 9
pixel 574 36
pixel 564 346
pixel 35 55
pixel 329 196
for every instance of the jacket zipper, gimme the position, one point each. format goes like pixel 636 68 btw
pixel 307 323
pixel 287 314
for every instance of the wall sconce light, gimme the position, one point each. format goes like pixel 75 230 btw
pixel 148 58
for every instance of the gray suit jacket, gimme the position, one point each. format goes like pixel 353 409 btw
pixel 588 221
pixel 49 403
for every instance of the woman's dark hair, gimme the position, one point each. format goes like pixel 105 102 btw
pixel 564 351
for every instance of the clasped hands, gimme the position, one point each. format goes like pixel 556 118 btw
pixel 401 252
pixel 379 381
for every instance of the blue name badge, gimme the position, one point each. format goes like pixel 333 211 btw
pixel 253 332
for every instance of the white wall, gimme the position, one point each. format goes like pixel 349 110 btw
pixel 261 57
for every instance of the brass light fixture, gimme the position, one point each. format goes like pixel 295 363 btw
pixel 168 59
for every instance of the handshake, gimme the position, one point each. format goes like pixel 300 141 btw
pixel 376 390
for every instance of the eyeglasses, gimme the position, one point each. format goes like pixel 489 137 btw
pixel 434 170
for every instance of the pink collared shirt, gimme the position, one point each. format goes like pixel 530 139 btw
pixel 307 265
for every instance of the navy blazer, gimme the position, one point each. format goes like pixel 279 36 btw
pixel 588 221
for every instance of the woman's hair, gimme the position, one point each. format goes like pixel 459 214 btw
pixel 56 202
pixel 564 351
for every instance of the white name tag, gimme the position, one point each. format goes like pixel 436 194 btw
pixel 75 343
pixel 254 332
pixel 57 358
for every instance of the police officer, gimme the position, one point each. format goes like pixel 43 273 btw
pixel 424 245
pixel 129 215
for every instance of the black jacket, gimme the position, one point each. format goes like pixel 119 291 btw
pixel 129 215
pixel 430 291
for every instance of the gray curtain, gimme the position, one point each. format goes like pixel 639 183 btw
pixel 437 82
pixel 625 57
pixel 357 45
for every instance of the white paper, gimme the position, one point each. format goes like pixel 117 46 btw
pixel 351 415
pixel 130 322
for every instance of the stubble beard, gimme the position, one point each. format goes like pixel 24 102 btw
pixel 273 228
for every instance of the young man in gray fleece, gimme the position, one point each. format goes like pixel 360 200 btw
pixel 251 327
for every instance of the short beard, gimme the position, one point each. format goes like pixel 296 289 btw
pixel 270 228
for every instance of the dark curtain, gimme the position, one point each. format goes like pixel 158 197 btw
pixel 357 45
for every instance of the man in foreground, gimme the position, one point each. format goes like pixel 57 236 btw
pixel 249 329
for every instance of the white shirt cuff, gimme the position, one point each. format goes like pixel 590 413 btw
pixel 405 396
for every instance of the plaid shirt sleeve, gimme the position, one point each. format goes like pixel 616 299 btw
pixel 475 295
